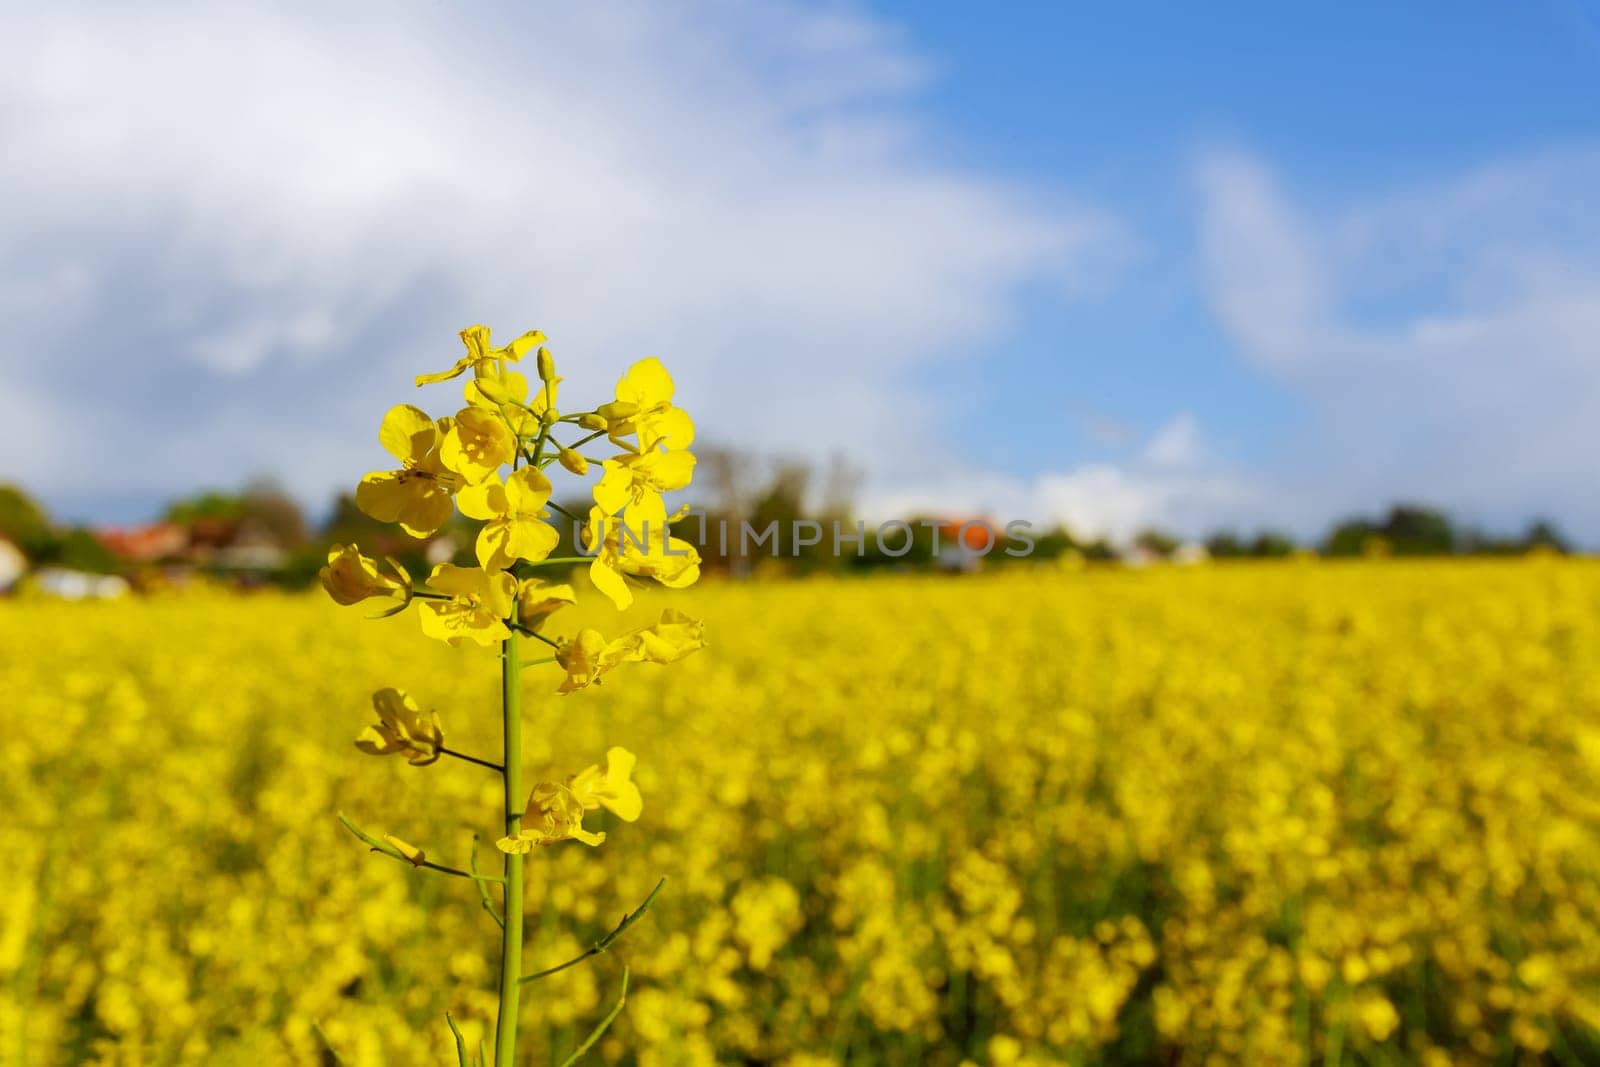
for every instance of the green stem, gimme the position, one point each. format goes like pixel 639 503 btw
pixel 505 1039
pixel 602 944
pixel 461 1042
pixel 604 1024
pixel 552 505
pixel 327 1045
pixel 384 848
pixel 483 891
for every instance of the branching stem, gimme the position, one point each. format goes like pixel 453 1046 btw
pixel 602 944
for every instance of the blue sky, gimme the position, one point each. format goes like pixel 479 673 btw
pixel 1116 266
pixel 1117 101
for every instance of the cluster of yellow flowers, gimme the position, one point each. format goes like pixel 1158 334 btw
pixel 1264 813
pixel 457 462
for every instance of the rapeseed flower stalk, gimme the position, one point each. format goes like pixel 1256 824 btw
pixel 456 463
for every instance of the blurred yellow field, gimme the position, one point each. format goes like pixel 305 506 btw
pixel 1274 814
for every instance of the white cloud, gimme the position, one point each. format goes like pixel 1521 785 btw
pixel 249 226
pixel 1446 338
pixel 1168 483
pixel 1177 444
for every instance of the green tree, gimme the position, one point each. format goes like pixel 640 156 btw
pixel 25 523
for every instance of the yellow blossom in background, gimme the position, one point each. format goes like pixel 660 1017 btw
pixel 418 495
pixel 1192 816
pixel 402 729
pixel 476 606
pixel 514 512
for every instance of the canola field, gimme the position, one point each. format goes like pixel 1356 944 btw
pixel 1298 813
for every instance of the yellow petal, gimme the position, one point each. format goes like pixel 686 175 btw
pixel 407 433
pixel 485 500
pixel 527 490
pixel 646 383
pixel 611 584
pixel 531 539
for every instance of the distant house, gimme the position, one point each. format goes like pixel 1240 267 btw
pixel 13 565
pixel 252 548
pixel 963 543
pixel 144 544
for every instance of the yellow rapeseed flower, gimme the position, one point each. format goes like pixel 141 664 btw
pixel 639 543
pixel 643 407
pixel 478 605
pixel 636 477
pixel 589 655
pixel 611 788
pixel 482 355
pixel 402 729
pixel 478 445
pixel 555 810
pixel 537 600
pixel 417 496
pixel 513 512
pixel 351 577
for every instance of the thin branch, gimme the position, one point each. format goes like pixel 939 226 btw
pixel 521 629
pixel 327 1045
pixel 557 507
pixel 483 890
pixel 471 759
pixel 537 662
pixel 391 851
pixel 461 1042
pixel 602 944
pixel 605 1024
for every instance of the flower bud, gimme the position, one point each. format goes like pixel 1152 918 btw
pixel 408 852
pixel 547 366
pixel 589 420
pixel 550 416
pixel 574 462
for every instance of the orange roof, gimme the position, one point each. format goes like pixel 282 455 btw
pixel 980 533
pixel 143 543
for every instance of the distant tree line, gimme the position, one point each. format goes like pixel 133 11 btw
pixel 734 490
